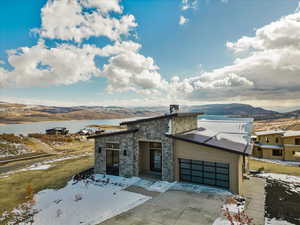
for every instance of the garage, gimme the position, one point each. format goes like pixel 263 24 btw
pixel 204 172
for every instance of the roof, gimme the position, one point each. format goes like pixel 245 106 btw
pixel 228 135
pixel 270 146
pixel 269 132
pixel 291 133
pixel 170 115
pixel 113 133
pixel 57 128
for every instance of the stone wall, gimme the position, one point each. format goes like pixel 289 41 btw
pixel 127 164
pixel 180 124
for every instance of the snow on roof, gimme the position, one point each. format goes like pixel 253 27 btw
pixel 291 133
pixel 269 132
pixel 232 135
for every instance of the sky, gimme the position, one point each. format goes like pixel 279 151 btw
pixel 150 52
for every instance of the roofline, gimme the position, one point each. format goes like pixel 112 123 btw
pixel 113 133
pixel 279 132
pixel 205 144
pixel 291 136
pixel 183 114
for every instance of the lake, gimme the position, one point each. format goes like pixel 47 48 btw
pixel 75 125
pixel 72 125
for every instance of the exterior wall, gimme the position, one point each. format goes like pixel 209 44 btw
pixel 267 154
pixel 292 152
pixel 290 140
pixel 272 139
pixel 256 152
pixel 155 130
pixel 180 124
pixel 186 150
pixel 127 164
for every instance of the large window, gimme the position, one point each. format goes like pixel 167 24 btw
pixel 297 141
pixel 276 152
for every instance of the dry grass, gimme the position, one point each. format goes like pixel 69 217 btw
pixel 52 139
pixel 274 168
pixel 76 147
pixel 13 188
pixel 11 138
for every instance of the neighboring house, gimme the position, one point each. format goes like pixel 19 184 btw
pixel 277 144
pixel 177 146
pixel 57 131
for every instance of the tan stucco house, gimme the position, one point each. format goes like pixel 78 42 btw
pixel 277 144
pixel 177 146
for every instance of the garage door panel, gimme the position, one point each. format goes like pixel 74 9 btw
pixel 204 172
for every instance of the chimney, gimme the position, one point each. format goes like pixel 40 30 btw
pixel 174 109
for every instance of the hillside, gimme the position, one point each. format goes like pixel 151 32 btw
pixel 19 113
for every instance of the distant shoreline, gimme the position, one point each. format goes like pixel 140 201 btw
pixel 30 122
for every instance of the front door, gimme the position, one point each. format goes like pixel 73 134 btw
pixel 112 162
pixel 155 160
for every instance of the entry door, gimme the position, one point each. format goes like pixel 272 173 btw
pixel 112 162
pixel 155 160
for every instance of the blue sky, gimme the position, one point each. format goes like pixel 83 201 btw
pixel 186 51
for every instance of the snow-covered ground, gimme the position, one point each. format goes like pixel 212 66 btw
pixel 276 222
pixel 277 161
pixel 282 177
pixel 85 204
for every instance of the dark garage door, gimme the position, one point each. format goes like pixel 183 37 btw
pixel 203 172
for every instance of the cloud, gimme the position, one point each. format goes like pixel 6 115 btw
pixel 78 20
pixel 266 65
pixel 132 71
pixel 188 4
pixel 225 1
pixel 183 20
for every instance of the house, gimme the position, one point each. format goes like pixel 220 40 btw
pixel 57 131
pixel 177 146
pixel 277 144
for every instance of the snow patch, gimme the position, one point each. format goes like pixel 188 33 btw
pixel 274 221
pixel 198 188
pixel 279 176
pixel 85 204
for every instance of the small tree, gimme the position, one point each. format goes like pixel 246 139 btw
pixel 239 218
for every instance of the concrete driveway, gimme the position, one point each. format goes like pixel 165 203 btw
pixel 173 208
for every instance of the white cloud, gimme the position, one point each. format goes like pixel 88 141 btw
pixel 67 20
pixel 183 20
pixel 188 4
pixel 268 67
pixel 132 71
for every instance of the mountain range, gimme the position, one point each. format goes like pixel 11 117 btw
pixel 21 113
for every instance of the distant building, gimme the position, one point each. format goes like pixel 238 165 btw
pixel 277 144
pixel 57 131
pixel 177 146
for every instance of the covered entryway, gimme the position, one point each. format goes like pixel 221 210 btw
pixel 204 172
pixel 150 159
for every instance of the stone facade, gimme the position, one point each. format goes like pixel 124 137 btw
pixel 148 131
pixel 127 163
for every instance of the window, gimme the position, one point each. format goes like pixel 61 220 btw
pixel 267 139
pixel 277 140
pixel 297 141
pixel 258 149
pixel 112 146
pixel 276 152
